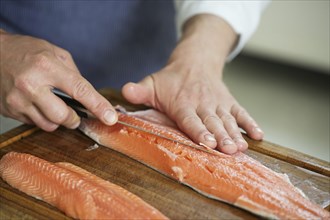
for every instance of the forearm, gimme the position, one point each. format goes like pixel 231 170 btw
pixel 212 31
pixel 205 39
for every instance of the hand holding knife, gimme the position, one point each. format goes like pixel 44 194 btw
pixel 74 104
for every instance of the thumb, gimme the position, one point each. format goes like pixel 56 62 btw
pixel 140 93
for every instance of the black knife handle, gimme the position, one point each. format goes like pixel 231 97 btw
pixel 74 104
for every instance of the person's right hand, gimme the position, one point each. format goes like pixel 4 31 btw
pixel 29 69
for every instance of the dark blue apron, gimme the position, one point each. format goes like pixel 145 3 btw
pixel 112 42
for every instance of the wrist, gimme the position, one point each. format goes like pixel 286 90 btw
pixel 206 40
pixel 215 31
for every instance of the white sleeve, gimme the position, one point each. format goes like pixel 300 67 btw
pixel 242 16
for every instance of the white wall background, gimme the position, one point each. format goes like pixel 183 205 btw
pixel 294 31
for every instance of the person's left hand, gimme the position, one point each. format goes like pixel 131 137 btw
pixel 199 103
pixel 191 92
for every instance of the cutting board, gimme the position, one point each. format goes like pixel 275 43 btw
pixel 173 199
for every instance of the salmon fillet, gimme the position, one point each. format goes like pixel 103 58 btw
pixel 73 190
pixel 237 179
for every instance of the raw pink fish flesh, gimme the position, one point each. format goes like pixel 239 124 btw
pixel 238 179
pixel 75 191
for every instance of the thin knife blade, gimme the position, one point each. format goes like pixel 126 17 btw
pixel 84 113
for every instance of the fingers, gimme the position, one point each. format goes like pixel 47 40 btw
pixel 47 111
pixel 245 121
pixel 37 67
pixel 234 138
pixel 70 81
pixel 55 110
pixel 189 122
pixel 215 125
pixel 140 93
pixel 225 125
pixel 40 120
pixel 218 127
pixel 81 90
pixel 22 109
pixel 135 93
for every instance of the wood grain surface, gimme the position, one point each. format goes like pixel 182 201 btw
pixel 170 197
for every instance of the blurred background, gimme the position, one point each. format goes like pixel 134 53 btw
pixel 282 76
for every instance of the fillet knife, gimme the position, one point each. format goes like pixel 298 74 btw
pixel 84 113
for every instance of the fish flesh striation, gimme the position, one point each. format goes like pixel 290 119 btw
pixel 75 191
pixel 236 179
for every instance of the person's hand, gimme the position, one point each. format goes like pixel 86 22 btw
pixel 29 69
pixel 191 92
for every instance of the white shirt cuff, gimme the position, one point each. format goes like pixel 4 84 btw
pixel 242 16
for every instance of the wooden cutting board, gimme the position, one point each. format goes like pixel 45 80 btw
pixel 173 199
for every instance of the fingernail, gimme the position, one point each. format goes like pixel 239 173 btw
pixel 110 117
pixel 227 142
pixel 241 143
pixel 228 147
pixel 209 137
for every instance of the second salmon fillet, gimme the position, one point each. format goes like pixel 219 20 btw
pixel 73 190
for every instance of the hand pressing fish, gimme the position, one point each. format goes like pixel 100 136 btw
pixel 238 179
pixel 73 190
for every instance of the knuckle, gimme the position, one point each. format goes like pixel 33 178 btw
pixel 99 107
pixel 243 117
pixel 191 124
pixel 209 118
pixel 187 120
pixel 64 54
pixel 242 113
pixel 11 100
pixel 235 135
pixel 220 135
pixel 81 89
pixel 247 120
pixel 42 61
pixel 227 118
pixel 23 83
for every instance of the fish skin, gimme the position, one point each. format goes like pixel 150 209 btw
pixel 75 191
pixel 238 179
